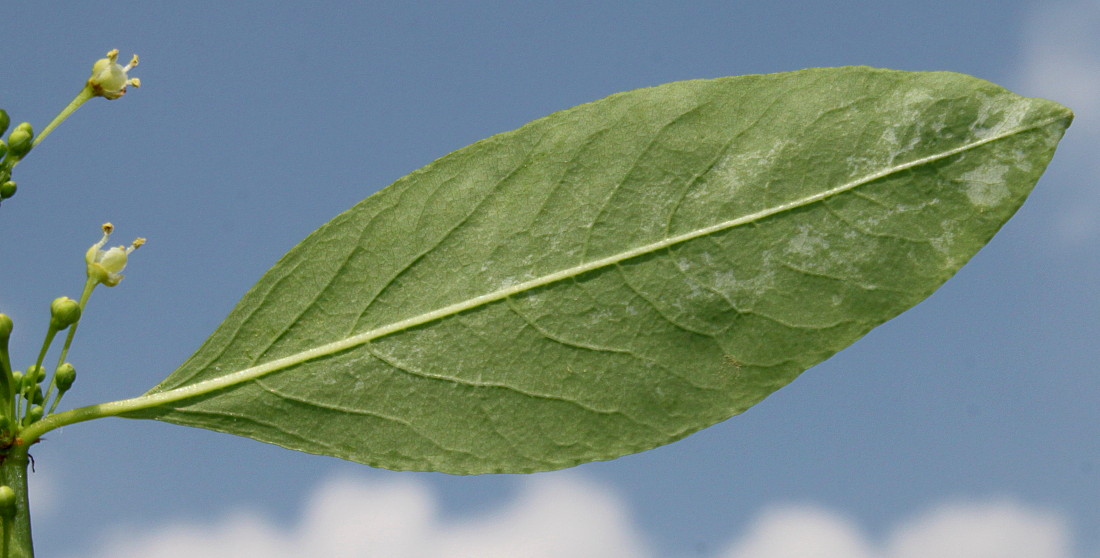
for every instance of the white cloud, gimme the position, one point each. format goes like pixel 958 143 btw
pixel 802 531
pixel 552 516
pixel 991 530
pixel 960 530
pixel 564 515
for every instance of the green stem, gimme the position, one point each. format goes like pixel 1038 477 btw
pixel 8 525
pixel 72 333
pixel 51 332
pixel 7 390
pixel 17 532
pixel 56 400
pixel 84 95
pixel 89 286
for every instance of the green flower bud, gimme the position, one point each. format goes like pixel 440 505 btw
pixel 64 312
pixel 4 121
pixel 20 140
pixel 6 326
pixel 17 381
pixel 8 502
pixel 34 415
pixel 3 148
pixel 34 375
pixel 34 395
pixel 7 190
pixel 64 377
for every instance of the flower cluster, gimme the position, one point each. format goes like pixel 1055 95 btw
pixel 109 80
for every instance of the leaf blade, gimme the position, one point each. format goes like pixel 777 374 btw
pixel 613 213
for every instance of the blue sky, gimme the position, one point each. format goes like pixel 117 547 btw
pixel 969 422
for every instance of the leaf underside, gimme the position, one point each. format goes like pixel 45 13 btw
pixel 618 275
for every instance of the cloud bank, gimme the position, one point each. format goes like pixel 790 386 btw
pixel 955 530
pixel 563 515
pixel 553 516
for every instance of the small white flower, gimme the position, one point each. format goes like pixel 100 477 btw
pixel 105 266
pixel 110 79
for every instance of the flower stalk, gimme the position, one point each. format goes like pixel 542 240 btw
pixel 109 80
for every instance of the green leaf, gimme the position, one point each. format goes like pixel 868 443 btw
pixel 618 275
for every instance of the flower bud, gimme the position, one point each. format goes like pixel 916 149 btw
pixel 34 374
pixel 7 190
pixel 6 326
pixel 3 148
pixel 34 415
pixel 8 502
pixel 17 381
pixel 20 140
pixel 64 312
pixel 64 377
pixel 34 395
pixel 5 120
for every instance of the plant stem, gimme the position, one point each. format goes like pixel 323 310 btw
pixel 89 286
pixel 84 95
pixel 7 387
pixel 17 531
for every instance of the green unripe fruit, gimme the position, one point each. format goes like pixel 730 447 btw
pixel 7 502
pixel 64 312
pixel 6 326
pixel 20 140
pixel 7 190
pixel 64 377
pixel 4 121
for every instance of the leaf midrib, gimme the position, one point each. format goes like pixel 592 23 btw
pixel 261 370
